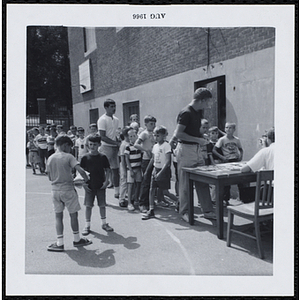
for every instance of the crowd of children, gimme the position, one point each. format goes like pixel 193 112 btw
pixel 145 159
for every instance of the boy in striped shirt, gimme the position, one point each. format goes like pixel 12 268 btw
pixel 133 159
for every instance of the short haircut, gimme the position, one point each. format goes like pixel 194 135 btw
pixel 125 130
pixel 133 115
pixel 41 127
pixel 94 139
pixel 203 122
pixel 230 124
pixel 149 118
pixel 93 125
pixel 202 93
pixel 59 126
pixel 73 127
pixel 213 129
pixel 108 102
pixel 63 139
pixel 271 134
pixel 161 129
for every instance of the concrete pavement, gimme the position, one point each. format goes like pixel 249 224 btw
pixel 165 245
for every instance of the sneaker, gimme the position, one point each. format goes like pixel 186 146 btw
pixel 210 215
pixel 82 242
pixel 185 217
pixel 55 248
pixel 177 207
pixel 106 227
pixel 136 203
pixel 143 209
pixel 110 186
pixel 123 203
pixel 130 207
pixel 163 203
pixel 149 214
pixel 86 231
pixel 117 196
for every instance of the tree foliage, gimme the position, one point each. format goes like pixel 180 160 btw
pixel 48 68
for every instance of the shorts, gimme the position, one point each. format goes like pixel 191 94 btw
pixel 34 157
pixel 164 182
pixel 68 199
pixel 137 175
pixel 112 155
pixel 90 197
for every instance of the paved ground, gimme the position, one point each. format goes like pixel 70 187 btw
pixel 165 245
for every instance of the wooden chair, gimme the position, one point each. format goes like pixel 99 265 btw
pixel 258 211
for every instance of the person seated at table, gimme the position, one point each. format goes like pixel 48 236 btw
pixel 263 159
pixel 232 152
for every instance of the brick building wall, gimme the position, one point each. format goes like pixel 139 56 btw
pixel 139 55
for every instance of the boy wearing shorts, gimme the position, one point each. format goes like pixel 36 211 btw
pixel 98 166
pixel 59 166
pixel 133 159
pixel 161 173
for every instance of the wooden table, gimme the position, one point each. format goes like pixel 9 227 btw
pixel 220 176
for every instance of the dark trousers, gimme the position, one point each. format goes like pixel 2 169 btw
pixel 43 154
pixel 145 186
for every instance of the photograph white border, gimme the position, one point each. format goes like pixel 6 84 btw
pixel 19 16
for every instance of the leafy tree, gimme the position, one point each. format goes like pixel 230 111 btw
pixel 48 68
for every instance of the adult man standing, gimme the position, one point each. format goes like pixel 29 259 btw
pixel 189 151
pixel 264 158
pixel 107 126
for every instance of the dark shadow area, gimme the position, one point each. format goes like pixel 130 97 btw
pixel 114 238
pixel 92 258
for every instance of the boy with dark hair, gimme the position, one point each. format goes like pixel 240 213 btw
pixel 59 166
pixel 98 167
pixel 161 173
pixel 145 143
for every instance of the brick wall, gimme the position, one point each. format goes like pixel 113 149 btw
pixel 139 55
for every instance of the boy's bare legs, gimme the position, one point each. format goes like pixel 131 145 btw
pixel 105 225
pixel 129 192
pixel 137 190
pixel 75 226
pixel 59 228
pixel 150 213
pixel 116 181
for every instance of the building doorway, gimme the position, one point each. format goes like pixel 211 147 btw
pixel 94 115
pixel 217 115
pixel 130 108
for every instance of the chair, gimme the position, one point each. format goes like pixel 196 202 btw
pixel 258 211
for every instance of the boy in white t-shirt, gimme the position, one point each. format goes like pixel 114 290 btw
pixel 80 144
pixel 161 174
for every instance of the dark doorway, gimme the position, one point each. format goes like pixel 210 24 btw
pixel 217 115
pixel 129 109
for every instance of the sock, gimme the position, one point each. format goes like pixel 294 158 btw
pixel 117 189
pixel 103 221
pixel 88 224
pixel 76 236
pixel 60 240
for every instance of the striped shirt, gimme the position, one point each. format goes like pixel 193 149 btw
pixel 135 156
pixel 41 141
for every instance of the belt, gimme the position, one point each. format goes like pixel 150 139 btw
pixel 188 143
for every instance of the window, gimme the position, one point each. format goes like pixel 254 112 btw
pixel 89 34
pixel 94 115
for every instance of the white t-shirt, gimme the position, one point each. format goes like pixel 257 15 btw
pixel 264 158
pixel 159 154
pixel 41 141
pixel 148 141
pixel 110 126
pixel 80 143
pixel 230 147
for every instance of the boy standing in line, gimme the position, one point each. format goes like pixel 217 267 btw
pixel 232 152
pixel 41 143
pixel 145 143
pixel 123 169
pixel 133 159
pixel 161 174
pixel 98 166
pixel 80 147
pixel 60 165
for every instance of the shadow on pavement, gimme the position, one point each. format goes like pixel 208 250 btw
pixel 92 258
pixel 114 238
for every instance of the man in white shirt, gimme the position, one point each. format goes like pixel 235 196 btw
pixel 107 126
pixel 263 158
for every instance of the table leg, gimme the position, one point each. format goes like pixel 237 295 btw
pixel 219 210
pixel 191 201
